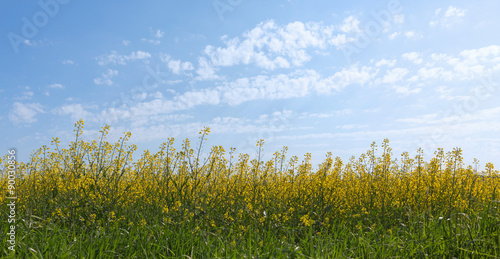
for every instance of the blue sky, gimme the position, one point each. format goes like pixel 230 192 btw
pixel 316 76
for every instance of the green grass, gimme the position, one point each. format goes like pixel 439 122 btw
pixel 91 201
pixel 420 236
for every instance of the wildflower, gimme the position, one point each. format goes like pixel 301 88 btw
pixel 306 220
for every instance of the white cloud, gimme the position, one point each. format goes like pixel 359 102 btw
pixel 25 112
pixel 454 12
pixel 156 107
pixel 195 98
pixel 404 81
pixel 106 77
pixel 281 86
pixel 434 73
pixel 437 11
pixel 393 78
pixel 440 57
pixel 206 71
pixel 68 62
pixel 451 16
pixel 413 57
pixel 385 62
pixel 369 135
pixel 475 62
pixel 350 25
pixel 484 118
pixel 394 75
pixel 176 66
pixel 393 35
pixel 352 75
pixel 352 126
pixel 399 18
pixel 413 79
pixel 270 46
pixel 445 93
pixel 147 130
pixel 138 55
pixel 152 41
pixel 56 86
pixel 33 43
pixel 26 95
pixel 300 83
pixel 482 54
pixel 420 119
pixel 115 58
pixel 159 34
pixel 29 43
pixel 406 90
pixel 268 87
pixel 469 63
pixel 336 113
pixel 410 34
pixel 76 111
pixel 339 40
pixel 126 42
pixel 372 110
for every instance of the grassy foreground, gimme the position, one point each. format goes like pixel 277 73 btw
pixel 91 200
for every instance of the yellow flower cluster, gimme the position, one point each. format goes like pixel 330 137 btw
pixel 97 183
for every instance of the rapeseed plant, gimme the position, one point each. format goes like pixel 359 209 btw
pixel 97 185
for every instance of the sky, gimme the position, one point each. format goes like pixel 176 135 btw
pixel 315 76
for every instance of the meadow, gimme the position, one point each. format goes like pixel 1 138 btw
pixel 92 199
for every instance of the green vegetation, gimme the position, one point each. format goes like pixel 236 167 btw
pixel 91 200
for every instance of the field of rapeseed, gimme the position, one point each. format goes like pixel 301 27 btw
pixel 93 200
